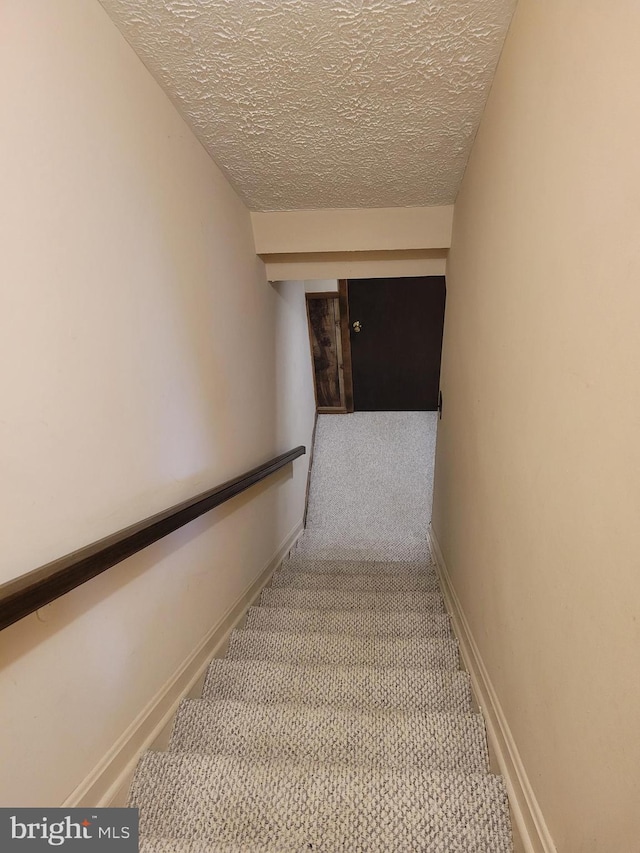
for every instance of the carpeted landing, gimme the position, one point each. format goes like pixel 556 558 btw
pixel 339 719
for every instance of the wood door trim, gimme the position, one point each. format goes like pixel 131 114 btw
pixel 343 296
pixel 332 296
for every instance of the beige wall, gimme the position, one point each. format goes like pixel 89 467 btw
pixel 138 365
pixel 294 372
pixel 352 230
pixel 318 265
pixel 353 243
pixel 537 489
pixel 321 285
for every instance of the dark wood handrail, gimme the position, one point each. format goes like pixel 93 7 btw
pixel 34 589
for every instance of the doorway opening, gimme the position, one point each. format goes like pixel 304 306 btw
pixel 376 344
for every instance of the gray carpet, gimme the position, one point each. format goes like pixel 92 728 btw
pixel 373 473
pixel 339 719
pixel 372 486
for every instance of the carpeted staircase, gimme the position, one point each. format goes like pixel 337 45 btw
pixel 339 719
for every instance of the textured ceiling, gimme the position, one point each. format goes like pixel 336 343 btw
pixel 326 103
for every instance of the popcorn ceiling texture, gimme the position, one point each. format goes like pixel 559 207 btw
pixel 326 103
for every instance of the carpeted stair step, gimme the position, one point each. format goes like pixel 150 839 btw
pixel 392 623
pixel 354 687
pixel 332 544
pixel 454 743
pixel 430 653
pixel 336 599
pixel 155 844
pixel 359 567
pixel 339 720
pixel 324 808
pixel 426 582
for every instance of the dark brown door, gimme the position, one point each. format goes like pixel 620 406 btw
pixel 396 342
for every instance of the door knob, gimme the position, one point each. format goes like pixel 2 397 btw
pixel 357 326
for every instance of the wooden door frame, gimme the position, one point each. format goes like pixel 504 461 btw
pixel 345 335
pixel 344 363
pixel 334 296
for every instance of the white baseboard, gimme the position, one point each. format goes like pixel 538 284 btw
pixel 112 776
pixel 527 816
